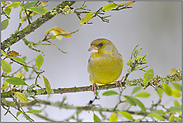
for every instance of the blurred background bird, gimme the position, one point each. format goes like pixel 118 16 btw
pixel 105 63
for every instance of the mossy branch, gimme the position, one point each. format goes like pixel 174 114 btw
pixel 17 36
pixel 135 82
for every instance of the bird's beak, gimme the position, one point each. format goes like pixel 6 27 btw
pixel 93 49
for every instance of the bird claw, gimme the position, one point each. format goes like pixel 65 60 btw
pixel 94 87
pixel 119 81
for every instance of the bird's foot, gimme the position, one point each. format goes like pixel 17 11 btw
pixel 94 87
pixel 119 81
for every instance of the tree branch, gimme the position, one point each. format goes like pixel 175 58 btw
pixel 135 82
pixel 36 24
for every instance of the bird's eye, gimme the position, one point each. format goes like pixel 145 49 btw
pixel 101 44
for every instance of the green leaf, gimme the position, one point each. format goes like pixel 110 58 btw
pixel 28 5
pixel 143 95
pixel 177 86
pixel 109 7
pixel 24 58
pixel 176 93
pixel 5 66
pixel 3 2
pixel 176 103
pixel 82 21
pixel 136 89
pixel 148 75
pixel 26 68
pixel 39 61
pixel 59 37
pixel 109 93
pixel 3 53
pixel 138 120
pixel 18 113
pixel 21 97
pixel 47 85
pixel 15 81
pixel 159 112
pixel 158 117
pixel 7 11
pixel 20 75
pixel 126 115
pixel 167 90
pixel 19 60
pixel 96 118
pixel 4 24
pixel 15 5
pixel 140 104
pixel 175 109
pixel 34 111
pixel 160 92
pixel 171 118
pixel 113 117
pixel 39 10
pixel 88 16
pixel 130 100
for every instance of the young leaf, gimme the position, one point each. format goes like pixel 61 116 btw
pixel 142 95
pixel 18 113
pixel 136 89
pixel 140 104
pixel 88 16
pixel 4 24
pixel 47 85
pixel 109 93
pixel 19 60
pixel 7 11
pixel 5 85
pixel 21 97
pixel 43 1
pixel 159 112
pixel 58 33
pixel 52 36
pixel 13 53
pixel 20 75
pixel 14 5
pixel 39 61
pixel 158 117
pixel 109 7
pixel 113 117
pixel 171 118
pixel 15 81
pixel 26 68
pixel 3 53
pixel 24 58
pixel 130 100
pixel 82 21
pixel 176 93
pixel 130 3
pixel 160 92
pixel 34 111
pixel 176 103
pixel 167 90
pixel 39 10
pixel 28 5
pixel 177 86
pixel 148 75
pixel 96 118
pixel 126 115
pixel 6 66
pixel 175 109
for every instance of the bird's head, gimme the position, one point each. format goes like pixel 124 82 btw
pixel 102 46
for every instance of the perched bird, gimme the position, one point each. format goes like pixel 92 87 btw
pixel 105 63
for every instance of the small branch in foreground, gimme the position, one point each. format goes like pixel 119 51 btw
pixel 135 82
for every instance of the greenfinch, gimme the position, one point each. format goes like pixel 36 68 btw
pixel 105 63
